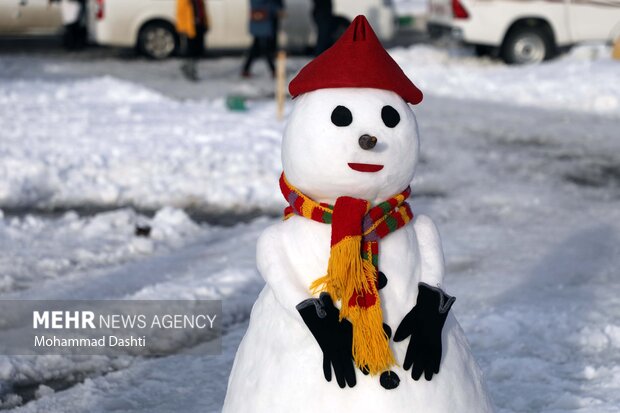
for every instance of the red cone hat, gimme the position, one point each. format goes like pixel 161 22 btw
pixel 357 59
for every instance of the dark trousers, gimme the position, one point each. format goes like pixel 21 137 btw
pixel 324 37
pixel 195 46
pixel 276 30
pixel 262 46
pixel 75 35
pixel 192 50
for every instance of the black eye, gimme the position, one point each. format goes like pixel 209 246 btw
pixel 389 116
pixel 341 116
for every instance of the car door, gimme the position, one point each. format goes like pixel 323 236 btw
pixel 237 22
pixel 38 16
pixel 8 15
pixel 594 19
pixel 216 11
pixel 228 24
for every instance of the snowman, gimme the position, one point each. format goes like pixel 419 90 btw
pixel 353 316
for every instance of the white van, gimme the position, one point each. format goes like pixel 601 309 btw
pixel 149 24
pixel 19 17
pixel 525 31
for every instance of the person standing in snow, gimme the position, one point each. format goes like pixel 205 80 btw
pixel 322 14
pixel 264 15
pixel 74 21
pixel 276 22
pixel 191 24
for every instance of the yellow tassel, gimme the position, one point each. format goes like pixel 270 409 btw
pixel 185 19
pixel 371 348
pixel 347 273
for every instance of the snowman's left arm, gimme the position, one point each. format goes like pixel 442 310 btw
pixel 425 321
pixel 431 251
pixel 276 269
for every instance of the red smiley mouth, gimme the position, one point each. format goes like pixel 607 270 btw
pixel 365 167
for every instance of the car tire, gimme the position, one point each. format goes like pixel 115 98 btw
pixel 158 40
pixel 527 45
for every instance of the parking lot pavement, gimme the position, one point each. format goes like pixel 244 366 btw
pixel 43 57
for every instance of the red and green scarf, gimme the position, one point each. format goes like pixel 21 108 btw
pixel 352 269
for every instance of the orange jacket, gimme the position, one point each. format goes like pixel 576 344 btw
pixel 186 19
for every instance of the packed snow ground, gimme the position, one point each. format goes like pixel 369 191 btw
pixel 526 200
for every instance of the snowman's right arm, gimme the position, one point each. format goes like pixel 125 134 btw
pixel 276 269
pixel 333 336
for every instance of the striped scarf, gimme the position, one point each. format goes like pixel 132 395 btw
pixel 353 261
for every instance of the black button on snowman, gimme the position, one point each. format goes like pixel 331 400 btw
pixel 320 333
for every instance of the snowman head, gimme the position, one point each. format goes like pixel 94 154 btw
pixel 359 142
pixel 352 132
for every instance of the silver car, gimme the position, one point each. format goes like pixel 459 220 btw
pixel 29 17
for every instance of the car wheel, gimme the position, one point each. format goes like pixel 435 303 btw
pixel 157 40
pixel 527 45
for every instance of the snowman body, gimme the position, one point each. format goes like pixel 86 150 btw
pixel 278 366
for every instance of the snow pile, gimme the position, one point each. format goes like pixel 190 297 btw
pixel 48 94
pixel 36 249
pixel 585 80
pixel 105 143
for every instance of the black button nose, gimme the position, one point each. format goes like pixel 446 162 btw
pixel 367 142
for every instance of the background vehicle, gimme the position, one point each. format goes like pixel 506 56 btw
pixel 525 31
pixel 149 24
pixel 29 17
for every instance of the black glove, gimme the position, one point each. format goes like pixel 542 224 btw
pixel 424 324
pixel 335 337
